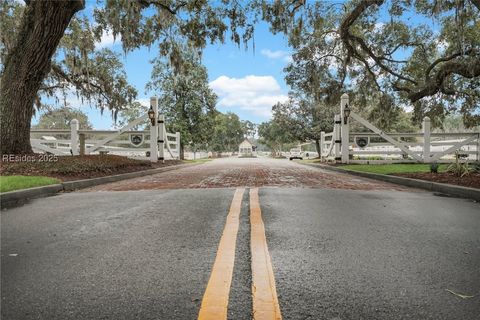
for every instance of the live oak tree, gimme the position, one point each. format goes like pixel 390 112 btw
pixel 35 74
pixel 249 128
pixel 61 118
pixel 40 26
pixel 304 120
pixel 317 83
pixel 130 113
pixel 185 98
pixel 228 132
pixel 313 98
pixel 420 53
pixel 275 136
pixel 26 64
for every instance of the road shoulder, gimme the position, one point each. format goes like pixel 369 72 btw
pixel 458 191
pixel 19 197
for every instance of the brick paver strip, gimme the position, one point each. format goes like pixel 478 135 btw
pixel 260 172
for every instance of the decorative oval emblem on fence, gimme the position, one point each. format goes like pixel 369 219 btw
pixel 136 139
pixel 362 142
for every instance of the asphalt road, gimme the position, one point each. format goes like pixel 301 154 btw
pixel 336 253
pixel 341 254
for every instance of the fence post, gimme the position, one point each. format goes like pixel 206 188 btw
pixel 478 147
pixel 426 139
pixel 177 138
pixel 345 129
pixel 336 137
pixel 322 144
pixel 161 138
pixel 154 131
pixel 74 126
pixel 82 143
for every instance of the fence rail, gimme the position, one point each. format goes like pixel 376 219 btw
pixel 424 147
pixel 126 141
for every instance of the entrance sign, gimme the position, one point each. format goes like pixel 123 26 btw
pixel 362 142
pixel 136 139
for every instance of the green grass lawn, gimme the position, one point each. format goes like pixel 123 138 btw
pixel 197 161
pixel 392 168
pixel 316 160
pixel 11 183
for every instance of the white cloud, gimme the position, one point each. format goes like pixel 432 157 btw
pixel 378 27
pixel 442 46
pixel 107 40
pixel 255 94
pixel 406 107
pixel 331 36
pixel 279 54
pixel 144 102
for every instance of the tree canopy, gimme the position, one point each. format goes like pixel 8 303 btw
pixel 61 118
pixel 275 136
pixel 78 68
pixel 228 133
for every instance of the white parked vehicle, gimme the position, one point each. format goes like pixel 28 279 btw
pixel 295 153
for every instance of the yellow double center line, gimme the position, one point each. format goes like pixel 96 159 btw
pixel 265 301
pixel 215 300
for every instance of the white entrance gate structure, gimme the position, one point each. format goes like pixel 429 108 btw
pixel 423 147
pixel 149 144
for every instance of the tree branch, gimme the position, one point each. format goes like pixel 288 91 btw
pixel 433 84
pixel 79 83
pixel 347 37
pixel 173 11
pixel 378 60
pixel 476 3
pixel 468 69
pixel 444 59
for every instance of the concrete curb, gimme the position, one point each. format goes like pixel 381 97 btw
pixel 15 198
pixel 458 191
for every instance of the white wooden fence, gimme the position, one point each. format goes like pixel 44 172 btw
pixel 125 142
pixel 377 146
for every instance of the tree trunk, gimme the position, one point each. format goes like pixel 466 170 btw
pixel 26 65
pixel 182 151
pixel 319 148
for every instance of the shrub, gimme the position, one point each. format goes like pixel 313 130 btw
pixel 434 167
pixel 458 168
pixel 476 167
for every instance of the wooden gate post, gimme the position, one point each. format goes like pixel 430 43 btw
pixel 161 138
pixel 345 127
pixel 426 140
pixel 336 137
pixel 74 126
pixel 154 131
pixel 82 143
pixel 322 145
pixel 177 138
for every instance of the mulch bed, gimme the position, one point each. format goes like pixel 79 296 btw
pixel 471 180
pixel 68 168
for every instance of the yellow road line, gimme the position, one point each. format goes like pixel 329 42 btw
pixel 265 300
pixel 215 299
